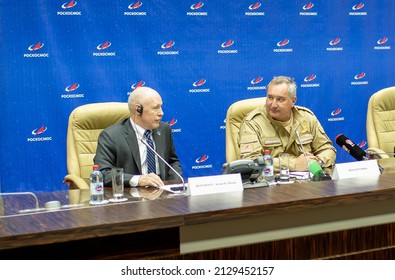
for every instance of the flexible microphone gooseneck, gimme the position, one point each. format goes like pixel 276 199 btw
pixel 165 162
pixel 48 206
pixel 304 152
pixel 372 153
pixel 23 193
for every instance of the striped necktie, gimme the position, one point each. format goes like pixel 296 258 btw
pixel 151 164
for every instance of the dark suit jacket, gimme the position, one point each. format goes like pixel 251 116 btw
pixel 117 147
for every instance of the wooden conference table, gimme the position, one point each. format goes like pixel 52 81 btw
pixel 339 219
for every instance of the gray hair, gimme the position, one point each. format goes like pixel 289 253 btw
pixel 284 80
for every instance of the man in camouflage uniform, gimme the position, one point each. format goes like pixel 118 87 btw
pixel 274 126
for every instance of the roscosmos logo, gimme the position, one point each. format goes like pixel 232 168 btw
pixel 382 44
pixel 66 7
pixel 72 87
pixel 167 48
pixel 103 46
pixel 254 10
pixel 281 46
pixel 283 43
pixel 201 160
pixel 336 115
pixel 382 41
pixel 36 47
pixel 362 144
pixel 336 112
pixel 334 42
pixel 198 86
pixel 255 6
pixel 34 51
pixel 227 44
pixel 226 47
pixel 172 123
pixel 102 49
pixel 69 5
pixel 307 10
pixel 135 5
pixel 257 80
pixel 308 81
pixel 334 45
pixel 70 91
pixel 359 79
pixel 141 83
pixel 197 10
pixel 38 132
pixel 308 6
pixel 310 78
pixel 138 84
pixel 135 9
pixel 357 10
pixel 360 76
pixel 197 6
pixel 256 84
pixel 358 6
pixel 199 83
pixel 168 45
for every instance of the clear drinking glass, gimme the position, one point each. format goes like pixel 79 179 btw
pixel 284 168
pixel 117 185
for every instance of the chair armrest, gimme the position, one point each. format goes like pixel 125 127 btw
pixel 376 153
pixel 75 182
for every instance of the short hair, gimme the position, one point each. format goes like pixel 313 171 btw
pixel 284 80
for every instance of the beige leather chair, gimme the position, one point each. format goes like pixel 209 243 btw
pixel 234 116
pixel 380 122
pixel 85 124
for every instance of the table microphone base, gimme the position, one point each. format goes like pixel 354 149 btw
pixel 252 185
pixel 322 177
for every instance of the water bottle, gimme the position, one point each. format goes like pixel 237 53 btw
pixel 96 186
pixel 268 173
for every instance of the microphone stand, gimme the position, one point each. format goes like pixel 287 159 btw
pixel 372 153
pixel 165 162
pixel 22 193
pixel 37 208
pixel 49 206
pixel 304 153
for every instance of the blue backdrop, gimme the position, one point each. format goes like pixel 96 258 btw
pixel 200 56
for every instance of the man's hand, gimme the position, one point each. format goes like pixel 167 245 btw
pixel 300 163
pixel 151 180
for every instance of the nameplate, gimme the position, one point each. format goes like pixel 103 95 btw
pixel 214 184
pixel 356 169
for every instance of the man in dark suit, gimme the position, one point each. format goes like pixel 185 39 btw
pixel 125 144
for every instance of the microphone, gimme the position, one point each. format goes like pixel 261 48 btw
pixel 354 150
pixel 350 147
pixel 304 153
pixel 318 174
pixel 165 162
